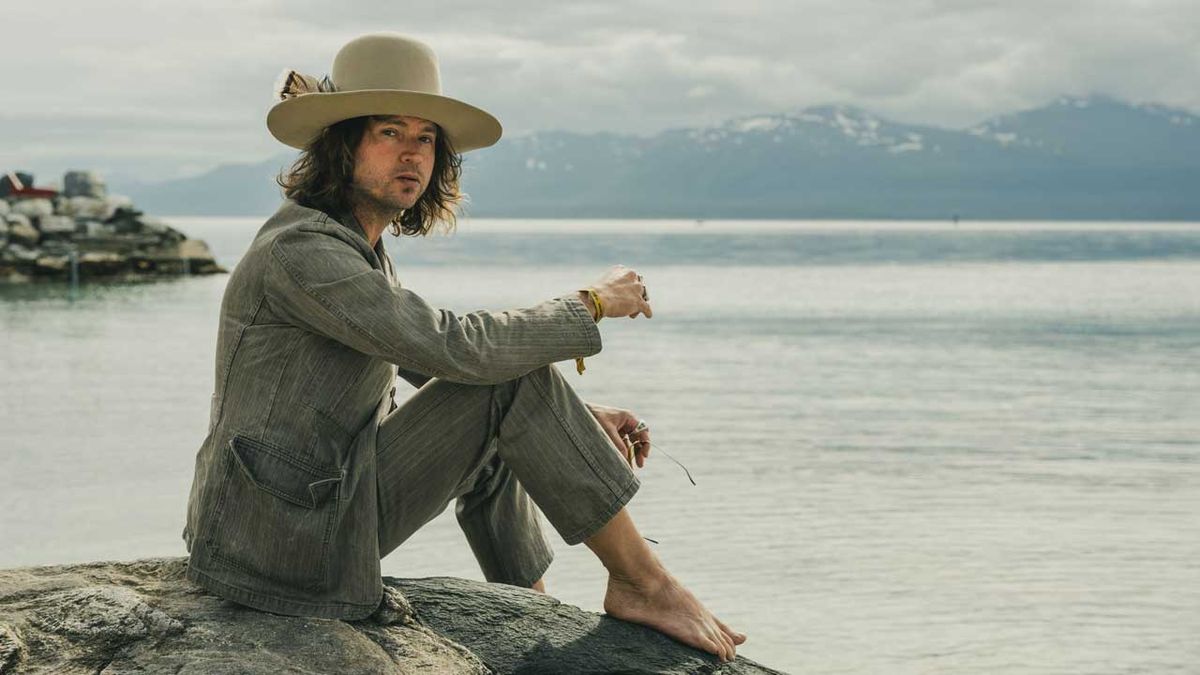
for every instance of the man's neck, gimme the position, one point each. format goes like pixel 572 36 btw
pixel 372 221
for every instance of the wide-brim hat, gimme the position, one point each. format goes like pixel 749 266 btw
pixel 377 74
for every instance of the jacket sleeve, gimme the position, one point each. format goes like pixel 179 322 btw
pixel 317 279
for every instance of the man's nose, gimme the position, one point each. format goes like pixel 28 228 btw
pixel 411 151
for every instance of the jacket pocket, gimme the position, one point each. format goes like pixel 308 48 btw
pixel 277 516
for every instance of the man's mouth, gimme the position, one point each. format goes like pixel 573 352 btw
pixel 409 177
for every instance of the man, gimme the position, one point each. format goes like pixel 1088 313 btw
pixel 310 474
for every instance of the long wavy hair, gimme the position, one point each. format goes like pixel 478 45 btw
pixel 321 178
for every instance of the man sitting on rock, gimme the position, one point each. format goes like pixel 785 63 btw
pixel 310 473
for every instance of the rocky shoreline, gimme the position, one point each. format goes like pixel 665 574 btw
pixel 81 233
pixel 145 616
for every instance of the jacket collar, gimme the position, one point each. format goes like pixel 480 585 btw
pixel 348 220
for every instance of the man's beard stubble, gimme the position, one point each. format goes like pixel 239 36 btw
pixel 364 200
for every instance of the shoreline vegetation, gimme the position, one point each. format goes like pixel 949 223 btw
pixel 82 233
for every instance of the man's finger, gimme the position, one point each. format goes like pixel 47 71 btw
pixel 641 444
pixel 615 437
pixel 628 449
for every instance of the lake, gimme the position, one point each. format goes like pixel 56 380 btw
pixel 918 447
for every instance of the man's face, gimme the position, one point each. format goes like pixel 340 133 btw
pixel 394 162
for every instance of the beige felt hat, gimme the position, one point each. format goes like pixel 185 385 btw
pixel 377 74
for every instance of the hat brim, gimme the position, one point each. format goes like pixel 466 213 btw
pixel 298 120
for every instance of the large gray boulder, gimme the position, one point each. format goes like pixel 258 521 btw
pixel 33 208
pixel 146 617
pixel 21 231
pixel 86 207
pixel 514 630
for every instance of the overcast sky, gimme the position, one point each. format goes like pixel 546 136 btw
pixel 163 88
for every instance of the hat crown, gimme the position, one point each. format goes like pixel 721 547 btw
pixel 386 61
pixel 377 74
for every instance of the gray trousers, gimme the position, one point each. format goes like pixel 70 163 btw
pixel 499 450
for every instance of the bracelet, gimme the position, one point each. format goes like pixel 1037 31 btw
pixel 596 300
pixel 599 314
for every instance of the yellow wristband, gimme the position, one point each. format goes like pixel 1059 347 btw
pixel 599 314
pixel 599 307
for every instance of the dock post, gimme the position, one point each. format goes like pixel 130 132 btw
pixel 74 256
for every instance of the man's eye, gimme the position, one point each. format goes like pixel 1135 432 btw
pixel 389 132
pixel 427 139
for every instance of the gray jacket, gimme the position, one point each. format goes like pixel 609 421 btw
pixel 314 328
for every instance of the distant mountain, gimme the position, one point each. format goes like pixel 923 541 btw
pixel 1076 158
pixel 228 190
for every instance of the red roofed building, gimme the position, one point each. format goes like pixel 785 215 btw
pixel 12 185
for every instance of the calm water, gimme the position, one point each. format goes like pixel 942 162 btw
pixel 919 448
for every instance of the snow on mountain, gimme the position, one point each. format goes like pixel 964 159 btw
pixel 854 125
pixel 1098 129
pixel 1076 157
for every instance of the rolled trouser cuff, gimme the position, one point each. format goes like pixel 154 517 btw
pixel 563 456
pixel 605 515
pixel 504 529
pixel 519 570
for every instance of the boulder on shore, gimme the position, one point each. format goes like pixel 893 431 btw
pixel 145 616
pixel 86 225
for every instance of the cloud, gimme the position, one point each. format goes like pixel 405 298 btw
pixel 136 79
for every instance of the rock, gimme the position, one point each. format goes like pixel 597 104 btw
pixel 101 620
pixel 11 274
pixel 112 240
pixel 517 630
pixel 156 226
pixel 21 231
pixel 126 219
pixel 52 265
pixel 97 263
pixel 12 650
pixel 33 208
pixel 114 202
pixel 20 253
pixel 95 229
pixel 86 207
pixel 188 256
pixel 146 617
pixel 56 225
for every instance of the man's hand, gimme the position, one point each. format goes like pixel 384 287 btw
pixel 619 424
pixel 622 293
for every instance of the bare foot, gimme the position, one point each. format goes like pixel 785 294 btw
pixel 663 604
pixel 539 586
